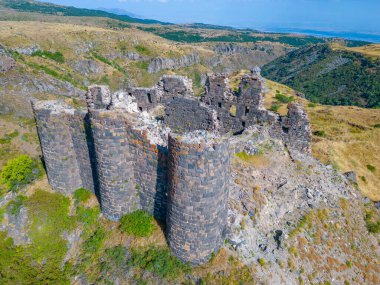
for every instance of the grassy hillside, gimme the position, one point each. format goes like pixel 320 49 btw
pixel 345 137
pixel 52 9
pixel 329 75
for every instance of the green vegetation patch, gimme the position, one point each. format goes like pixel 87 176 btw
pixel 141 49
pixel 281 98
pixel 49 215
pixel 82 195
pixel 328 76
pixel 19 172
pixel 110 63
pixel 14 206
pixel 56 56
pixel 320 134
pixel 371 168
pixel 158 261
pixel 6 139
pixel 138 223
pixel 372 222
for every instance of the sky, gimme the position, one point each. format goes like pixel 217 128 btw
pixel 360 16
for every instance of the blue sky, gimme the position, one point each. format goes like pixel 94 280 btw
pixel 361 16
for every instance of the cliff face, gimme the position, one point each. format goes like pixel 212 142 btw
pixel 161 63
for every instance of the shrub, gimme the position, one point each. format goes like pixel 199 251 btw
pixel 275 107
pixel 320 134
pixel 95 242
pixel 14 207
pixel 19 171
pixel 261 261
pixel 371 168
pixel 377 126
pixel 82 195
pixel 312 105
pixel 372 227
pixel 283 98
pixel 138 223
pixel 159 261
pixel 88 216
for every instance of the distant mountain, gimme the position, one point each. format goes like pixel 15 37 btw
pixel 328 75
pixel 120 12
pixel 53 9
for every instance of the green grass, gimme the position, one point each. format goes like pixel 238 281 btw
pixel 49 215
pixel 19 172
pixel 95 242
pixel 6 139
pixel 82 195
pixel 138 223
pixel 158 261
pixel 143 50
pixel 110 63
pixel 41 261
pixel 14 206
pixel 56 56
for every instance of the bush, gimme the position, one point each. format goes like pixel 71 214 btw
pixel 138 223
pixel 372 227
pixel 283 98
pixel 377 126
pixel 312 105
pixel 95 242
pixel 88 216
pixel 320 134
pixel 82 195
pixel 371 168
pixel 159 261
pixel 18 172
pixel 274 107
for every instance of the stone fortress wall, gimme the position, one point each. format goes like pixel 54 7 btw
pixel 161 149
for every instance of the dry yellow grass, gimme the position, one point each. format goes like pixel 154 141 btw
pixel 351 140
pixel 372 51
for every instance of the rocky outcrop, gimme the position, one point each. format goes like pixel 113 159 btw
pixel 28 50
pixel 230 48
pixel 161 63
pixel 86 67
pixel 6 61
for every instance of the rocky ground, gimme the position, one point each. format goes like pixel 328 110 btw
pixel 302 221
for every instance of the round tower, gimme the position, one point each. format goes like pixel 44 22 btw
pixel 62 134
pixel 199 173
pixel 114 163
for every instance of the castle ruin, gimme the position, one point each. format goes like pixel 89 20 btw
pixel 163 150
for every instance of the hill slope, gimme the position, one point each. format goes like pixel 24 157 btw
pixel 329 75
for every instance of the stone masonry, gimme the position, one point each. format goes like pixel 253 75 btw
pixel 65 146
pixel 199 177
pixel 163 150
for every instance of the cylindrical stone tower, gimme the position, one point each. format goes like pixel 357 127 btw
pixel 62 134
pixel 114 160
pixel 199 173
pixel 150 164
